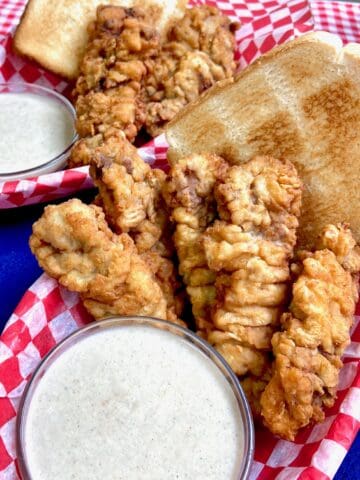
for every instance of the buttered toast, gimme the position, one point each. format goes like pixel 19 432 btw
pixel 300 102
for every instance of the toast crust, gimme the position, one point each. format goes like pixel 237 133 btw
pixel 307 112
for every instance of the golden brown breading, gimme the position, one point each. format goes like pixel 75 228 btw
pixel 119 40
pixel 129 188
pixel 250 247
pixel 188 192
pixel 315 334
pixel 199 52
pixel 253 387
pixel 108 89
pixel 73 244
pixel 82 151
pixel 167 277
pixel 130 195
pixel 128 79
pixel 206 29
pixel 127 185
pixel 339 240
pixel 119 108
pixel 186 77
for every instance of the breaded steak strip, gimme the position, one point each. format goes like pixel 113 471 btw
pixel 250 248
pixel 73 244
pixel 129 79
pixel 130 195
pixel 188 192
pixel 130 190
pixel 199 52
pixel 315 333
pixel 206 29
pixel 108 89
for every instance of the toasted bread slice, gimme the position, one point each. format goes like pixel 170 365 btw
pixel 299 102
pixel 54 33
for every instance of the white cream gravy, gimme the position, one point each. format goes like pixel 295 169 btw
pixel 133 402
pixel 34 129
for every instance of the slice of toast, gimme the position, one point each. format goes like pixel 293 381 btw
pixel 54 33
pixel 299 102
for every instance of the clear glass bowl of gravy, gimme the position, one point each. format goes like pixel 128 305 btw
pixel 134 397
pixel 37 130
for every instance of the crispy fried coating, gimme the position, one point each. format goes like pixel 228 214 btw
pixel 315 333
pixel 187 75
pixel 73 244
pixel 128 79
pixel 119 108
pixel 109 86
pixel 253 387
pixel 119 40
pixel 188 192
pixel 130 195
pixel 250 248
pixel 339 240
pixel 199 52
pixel 167 278
pixel 129 188
pixel 206 29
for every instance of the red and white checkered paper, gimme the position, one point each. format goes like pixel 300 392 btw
pixel 47 312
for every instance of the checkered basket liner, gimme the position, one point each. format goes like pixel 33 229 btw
pixel 47 312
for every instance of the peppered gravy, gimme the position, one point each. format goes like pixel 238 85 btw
pixel 34 129
pixel 133 402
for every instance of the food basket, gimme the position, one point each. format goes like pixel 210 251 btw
pixel 47 312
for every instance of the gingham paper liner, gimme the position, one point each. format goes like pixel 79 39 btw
pixel 341 18
pixel 47 312
pixel 265 24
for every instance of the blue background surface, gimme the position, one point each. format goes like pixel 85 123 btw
pixel 18 270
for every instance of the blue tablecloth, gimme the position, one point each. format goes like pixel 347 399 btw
pixel 18 270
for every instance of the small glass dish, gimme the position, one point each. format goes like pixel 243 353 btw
pixel 238 399
pixel 16 131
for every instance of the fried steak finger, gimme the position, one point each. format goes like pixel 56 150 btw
pixel 108 90
pixel 130 190
pixel 129 78
pixel 250 248
pixel 188 192
pixel 73 244
pixel 316 331
pixel 199 52
pixel 130 195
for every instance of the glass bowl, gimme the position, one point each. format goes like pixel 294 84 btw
pixel 238 400
pixel 46 165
